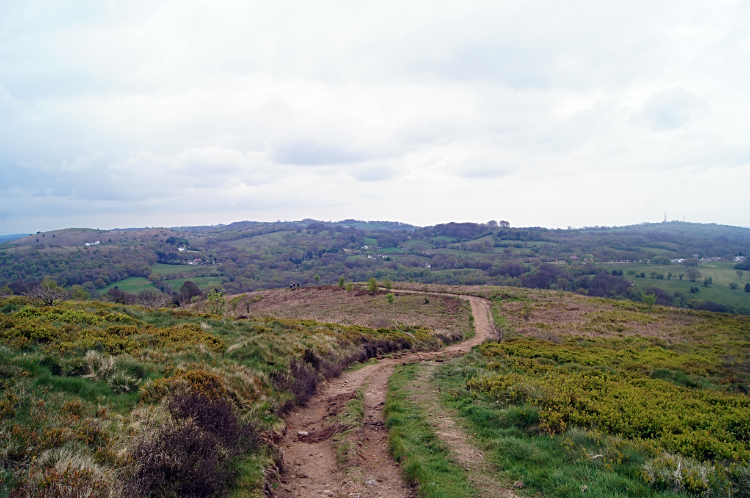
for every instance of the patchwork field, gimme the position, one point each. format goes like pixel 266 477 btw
pixel 719 291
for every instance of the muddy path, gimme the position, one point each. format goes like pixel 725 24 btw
pixel 311 465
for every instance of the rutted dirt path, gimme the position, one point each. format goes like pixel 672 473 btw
pixel 310 461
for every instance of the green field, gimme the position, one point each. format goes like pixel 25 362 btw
pixel 392 250
pixel 133 284
pixel 167 269
pixel 201 282
pixel 722 274
pixel 137 284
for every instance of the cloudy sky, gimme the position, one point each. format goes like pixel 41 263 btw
pixel 164 113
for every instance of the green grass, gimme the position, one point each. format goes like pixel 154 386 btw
pixel 251 474
pixel 201 282
pixel 391 250
pixel 132 284
pixel 558 466
pixel 425 460
pixel 167 269
pixel 370 242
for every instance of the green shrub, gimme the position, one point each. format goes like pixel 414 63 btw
pixel 589 387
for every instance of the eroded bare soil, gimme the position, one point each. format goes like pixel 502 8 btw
pixel 310 461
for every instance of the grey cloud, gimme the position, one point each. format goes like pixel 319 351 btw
pixel 671 109
pixel 139 110
pixel 374 172
pixel 315 153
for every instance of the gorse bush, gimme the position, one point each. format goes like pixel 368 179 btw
pixel 612 391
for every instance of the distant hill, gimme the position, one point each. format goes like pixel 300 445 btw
pixel 10 237
pixel 247 255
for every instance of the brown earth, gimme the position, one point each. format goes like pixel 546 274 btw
pixel 310 465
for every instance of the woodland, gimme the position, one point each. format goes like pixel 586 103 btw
pixel 249 256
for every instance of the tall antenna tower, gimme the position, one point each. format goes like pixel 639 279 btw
pixel 665 216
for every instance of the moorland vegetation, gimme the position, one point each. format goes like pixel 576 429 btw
pixel 606 397
pixel 103 399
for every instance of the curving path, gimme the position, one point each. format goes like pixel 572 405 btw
pixel 311 466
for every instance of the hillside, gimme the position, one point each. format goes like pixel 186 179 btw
pixel 250 256
pixel 555 393
pixel 112 400
pixel 582 395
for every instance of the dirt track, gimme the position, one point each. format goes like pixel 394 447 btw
pixel 310 465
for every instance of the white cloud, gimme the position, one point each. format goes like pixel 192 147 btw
pixel 424 112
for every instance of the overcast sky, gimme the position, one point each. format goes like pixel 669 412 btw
pixel 164 113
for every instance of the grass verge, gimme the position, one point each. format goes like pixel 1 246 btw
pixel 577 459
pixel 424 459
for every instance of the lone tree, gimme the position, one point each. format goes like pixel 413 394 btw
pixel 372 286
pixel 48 292
pixel 739 274
pixel 387 284
pixel 153 299
pixel 317 279
pixel 693 274
pixel 747 287
pixel 188 291
pixel 649 299
pixel 341 281
pixel 389 297
pixel 216 302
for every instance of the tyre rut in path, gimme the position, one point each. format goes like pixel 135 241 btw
pixel 310 465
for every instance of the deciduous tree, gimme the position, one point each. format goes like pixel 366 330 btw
pixel 48 292
pixel 153 299
pixel 650 300
pixel 693 274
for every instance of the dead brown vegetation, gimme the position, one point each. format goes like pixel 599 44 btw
pixel 447 316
